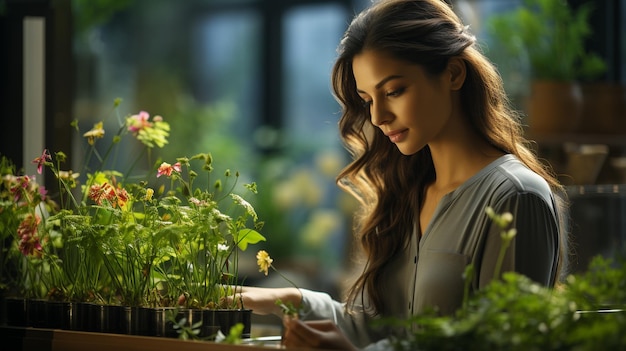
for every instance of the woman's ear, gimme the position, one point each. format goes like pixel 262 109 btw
pixel 457 69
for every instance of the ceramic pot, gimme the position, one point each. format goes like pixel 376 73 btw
pixel 604 108
pixel 554 107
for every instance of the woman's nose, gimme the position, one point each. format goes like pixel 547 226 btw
pixel 379 114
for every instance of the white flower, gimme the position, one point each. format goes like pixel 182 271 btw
pixel 245 204
pixel 220 216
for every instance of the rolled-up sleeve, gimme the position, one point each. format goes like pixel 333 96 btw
pixel 356 326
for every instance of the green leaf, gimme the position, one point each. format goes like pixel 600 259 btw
pixel 248 236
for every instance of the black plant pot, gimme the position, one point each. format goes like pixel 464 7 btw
pixel 60 315
pixel 192 316
pixel 155 322
pixel 129 320
pixel 226 319
pixel 111 317
pixel 91 317
pixel 37 313
pixel 3 307
pixel 84 319
pixel 21 312
pixel 16 311
pixel 104 318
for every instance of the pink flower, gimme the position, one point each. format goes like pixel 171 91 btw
pixel 29 244
pixel 139 121
pixel 20 186
pixel 166 169
pixel 41 160
pixel 42 192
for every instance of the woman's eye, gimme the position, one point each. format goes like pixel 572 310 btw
pixel 366 103
pixel 395 93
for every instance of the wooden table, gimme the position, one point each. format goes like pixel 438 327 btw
pixel 33 339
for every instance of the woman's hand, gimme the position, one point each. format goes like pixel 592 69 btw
pixel 263 300
pixel 322 334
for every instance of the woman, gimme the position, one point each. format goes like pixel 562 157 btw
pixel 434 142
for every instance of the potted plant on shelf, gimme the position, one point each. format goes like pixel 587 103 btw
pixel 550 35
pixel 129 246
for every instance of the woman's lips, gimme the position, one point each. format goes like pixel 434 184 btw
pixel 397 136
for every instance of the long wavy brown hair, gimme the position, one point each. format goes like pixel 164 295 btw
pixel 388 184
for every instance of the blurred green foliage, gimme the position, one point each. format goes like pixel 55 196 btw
pixel 552 35
pixel 89 13
pixel 515 313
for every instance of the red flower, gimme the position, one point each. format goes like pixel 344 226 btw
pixel 122 197
pixel 107 192
pixel 29 243
pixel 41 160
pixel 19 186
pixel 101 192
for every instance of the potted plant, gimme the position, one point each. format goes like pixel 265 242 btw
pixel 550 35
pixel 133 246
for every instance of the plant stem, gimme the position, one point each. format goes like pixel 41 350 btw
pixel 503 248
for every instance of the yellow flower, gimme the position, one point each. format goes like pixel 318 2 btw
pixel 264 261
pixel 149 194
pixel 97 132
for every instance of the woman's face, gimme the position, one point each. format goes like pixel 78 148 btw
pixel 410 107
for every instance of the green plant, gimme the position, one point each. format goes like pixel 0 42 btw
pixel 551 34
pixel 515 313
pixel 117 240
pixel 91 13
pixel 182 327
pixel 234 336
pixel 204 235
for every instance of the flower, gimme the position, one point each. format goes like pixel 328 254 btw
pixel 264 261
pixel 245 204
pixel 149 194
pixel 151 134
pixel 97 132
pixel 115 196
pixel 41 160
pixel 138 122
pixel 29 243
pixel 166 169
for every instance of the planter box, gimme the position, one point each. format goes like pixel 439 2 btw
pixel 90 317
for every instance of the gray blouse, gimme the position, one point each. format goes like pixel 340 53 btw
pixel 429 274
